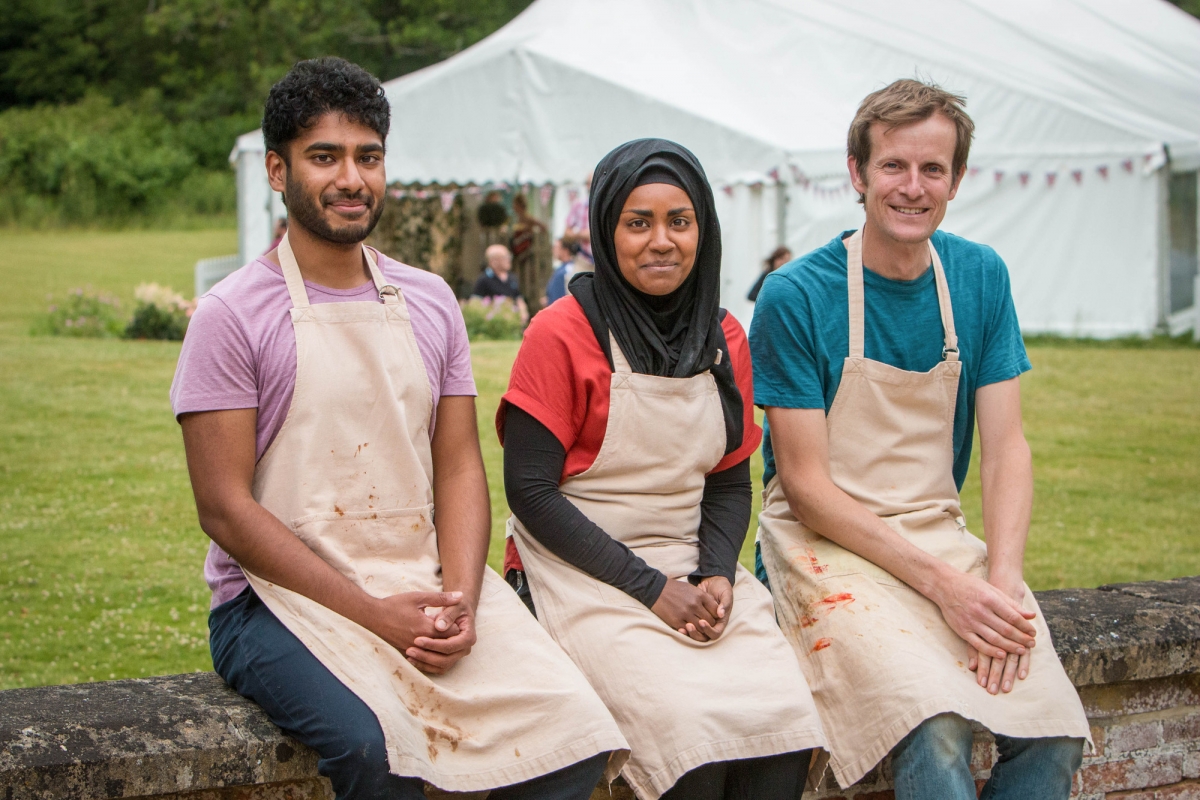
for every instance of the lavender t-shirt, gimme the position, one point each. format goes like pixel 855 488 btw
pixel 240 352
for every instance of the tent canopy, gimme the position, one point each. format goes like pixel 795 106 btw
pixel 751 86
pixel 763 92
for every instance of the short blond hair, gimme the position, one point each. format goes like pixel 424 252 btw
pixel 902 103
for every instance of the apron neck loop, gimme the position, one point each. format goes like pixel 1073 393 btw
pixel 854 283
pixel 291 273
pixel 389 294
pixel 620 364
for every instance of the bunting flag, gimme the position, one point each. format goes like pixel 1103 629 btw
pixel 999 176
pixel 728 190
pixel 972 172
pixel 1103 170
pixel 1024 178
pixel 774 174
pixel 1077 174
pixel 1051 177
pixel 1127 165
pixel 448 201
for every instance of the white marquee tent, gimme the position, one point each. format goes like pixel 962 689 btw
pixel 1087 114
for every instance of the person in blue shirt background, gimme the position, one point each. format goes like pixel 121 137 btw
pixel 873 356
pixel 565 251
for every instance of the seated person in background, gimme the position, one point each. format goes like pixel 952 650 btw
pixel 873 355
pixel 306 389
pixel 565 251
pixel 777 259
pixel 498 280
pixel 628 428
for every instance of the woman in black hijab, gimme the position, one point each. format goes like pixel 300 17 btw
pixel 628 428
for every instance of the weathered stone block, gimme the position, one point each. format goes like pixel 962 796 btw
pixel 1110 636
pixel 1183 729
pixel 1181 591
pixel 1139 772
pixel 1141 697
pixel 1129 736
pixel 311 789
pixel 1191 765
pixel 110 740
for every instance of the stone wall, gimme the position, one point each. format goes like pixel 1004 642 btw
pixel 1133 650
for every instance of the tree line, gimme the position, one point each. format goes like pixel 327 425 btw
pixel 116 109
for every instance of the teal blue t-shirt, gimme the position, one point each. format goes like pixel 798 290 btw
pixel 800 333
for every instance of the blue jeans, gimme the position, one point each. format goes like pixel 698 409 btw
pixel 934 763
pixel 263 661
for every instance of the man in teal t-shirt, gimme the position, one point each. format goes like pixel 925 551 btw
pixel 873 356
pixel 800 338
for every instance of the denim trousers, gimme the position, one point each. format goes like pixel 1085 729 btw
pixel 934 763
pixel 263 661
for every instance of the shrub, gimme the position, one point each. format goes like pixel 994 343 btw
pixel 492 318
pixel 94 161
pixel 84 312
pixel 161 313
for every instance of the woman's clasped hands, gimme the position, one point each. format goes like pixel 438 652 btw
pixel 700 612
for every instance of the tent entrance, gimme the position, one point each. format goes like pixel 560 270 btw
pixel 1184 223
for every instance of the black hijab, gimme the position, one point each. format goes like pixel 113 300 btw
pixel 677 335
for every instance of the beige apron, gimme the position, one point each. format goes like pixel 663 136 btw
pixel 879 656
pixel 679 702
pixel 350 472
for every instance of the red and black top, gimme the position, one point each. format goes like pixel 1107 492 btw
pixel 561 378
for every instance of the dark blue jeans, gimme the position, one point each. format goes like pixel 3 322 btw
pixel 263 661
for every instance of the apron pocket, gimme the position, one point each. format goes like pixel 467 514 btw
pixel 384 551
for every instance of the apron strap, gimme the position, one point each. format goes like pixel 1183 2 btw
pixel 620 365
pixel 950 348
pixel 854 283
pixel 389 294
pixel 291 273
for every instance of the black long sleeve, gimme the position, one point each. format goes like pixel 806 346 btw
pixel 533 464
pixel 724 517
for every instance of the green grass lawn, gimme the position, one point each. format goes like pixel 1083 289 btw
pixel 100 553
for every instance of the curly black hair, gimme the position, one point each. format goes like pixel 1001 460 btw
pixel 317 86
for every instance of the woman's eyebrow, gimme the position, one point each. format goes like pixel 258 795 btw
pixel 645 212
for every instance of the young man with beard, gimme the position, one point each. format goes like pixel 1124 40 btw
pixel 872 356
pixel 327 404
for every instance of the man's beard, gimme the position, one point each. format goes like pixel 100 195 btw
pixel 305 211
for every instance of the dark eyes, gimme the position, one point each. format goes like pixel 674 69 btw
pixel 678 222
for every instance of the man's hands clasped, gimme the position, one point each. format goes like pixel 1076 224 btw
pixel 990 618
pixel 700 612
pixel 433 630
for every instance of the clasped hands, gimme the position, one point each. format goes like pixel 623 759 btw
pixel 433 630
pixel 700 612
pixel 990 618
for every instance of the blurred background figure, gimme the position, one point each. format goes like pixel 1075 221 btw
pixel 779 256
pixel 498 280
pixel 523 242
pixel 566 252
pixel 577 220
pixel 277 234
